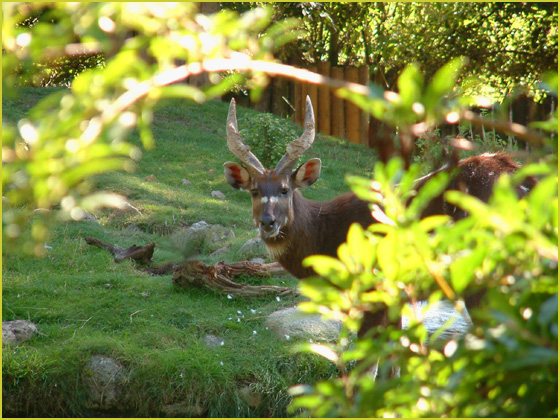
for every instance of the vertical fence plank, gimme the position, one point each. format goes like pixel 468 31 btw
pixel 298 100
pixel 313 92
pixel 337 107
pixel 352 111
pixel 363 79
pixel 324 111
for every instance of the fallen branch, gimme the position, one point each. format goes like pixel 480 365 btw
pixel 140 254
pixel 195 274
pixel 199 275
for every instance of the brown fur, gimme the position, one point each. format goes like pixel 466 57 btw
pixel 317 228
pixel 320 227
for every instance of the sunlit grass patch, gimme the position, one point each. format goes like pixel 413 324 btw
pixel 85 304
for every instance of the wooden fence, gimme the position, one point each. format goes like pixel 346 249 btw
pixel 333 115
pixel 340 118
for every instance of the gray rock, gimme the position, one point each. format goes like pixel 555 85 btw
pixel 297 325
pixel 251 397
pixel 199 237
pixel 88 217
pixel 253 248
pixel 105 381
pixel 183 409
pixel 8 337
pixel 212 341
pixel 199 226
pixel 258 260
pixel 290 324
pixel 219 233
pixel 218 194
pixel 220 252
pixel 186 182
pixel 438 315
pixel 17 331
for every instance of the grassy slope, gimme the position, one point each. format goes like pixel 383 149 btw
pixel 84 304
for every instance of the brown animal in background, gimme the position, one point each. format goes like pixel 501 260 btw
pixel 293 227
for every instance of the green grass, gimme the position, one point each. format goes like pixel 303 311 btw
pixel 84 303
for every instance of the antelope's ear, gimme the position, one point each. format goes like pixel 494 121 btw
pixel 307 173
pixel 237 176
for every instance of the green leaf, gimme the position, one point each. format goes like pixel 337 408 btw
pixel 473 205
pixel 442 83
pixel 430 190
pixel 462 270
pixel 362 187
pixel 180 90
pixel 548 310
pixel 550 82
pixel 410 84
pixel 320 290
pixel 328 267
pixel 360 247
pixel 322 350
pixel 541 209
pixel 430 223
pixel 386 255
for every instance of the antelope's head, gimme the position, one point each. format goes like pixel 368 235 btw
pixel 272 190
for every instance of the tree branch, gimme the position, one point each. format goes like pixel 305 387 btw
pixel 244 63
pixel 518 130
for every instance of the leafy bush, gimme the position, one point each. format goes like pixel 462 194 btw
pixel 506 366
pixel 267 136
pixel 71 135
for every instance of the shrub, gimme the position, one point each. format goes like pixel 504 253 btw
pixel 268 136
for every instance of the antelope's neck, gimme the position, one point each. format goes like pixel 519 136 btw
pixel 316 228
pixel 298 239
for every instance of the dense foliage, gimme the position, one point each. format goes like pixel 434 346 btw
pixel 150 49
pixel 267 137
pixel 507 44
pixel 507 364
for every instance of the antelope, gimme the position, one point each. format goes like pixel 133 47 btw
pixel 293 227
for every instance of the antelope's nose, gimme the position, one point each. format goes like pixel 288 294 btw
pixel 268 223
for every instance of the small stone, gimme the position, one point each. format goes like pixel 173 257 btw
pixel 219 195
pixel 253 248
pixel 198 226
pixel 291 323
pixel 105 380
pixel 17 331
pixel 8 337
pixel 211 341
pixel 183 409
pixel 186 182
pixel 88 217
pixel 252 398
pixel 219 252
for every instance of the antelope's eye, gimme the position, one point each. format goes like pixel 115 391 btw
pixel 284 191
pixel 255 192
